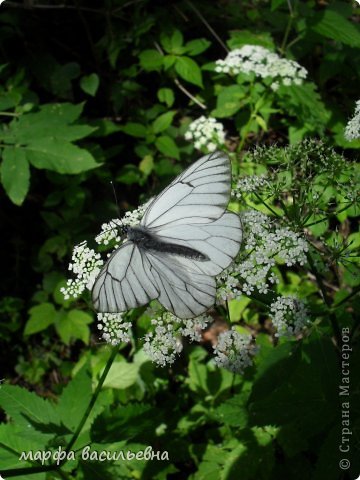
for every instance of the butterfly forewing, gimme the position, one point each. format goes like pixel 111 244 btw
pixel 198 195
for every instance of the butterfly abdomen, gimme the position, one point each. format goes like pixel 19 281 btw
pixel 144 239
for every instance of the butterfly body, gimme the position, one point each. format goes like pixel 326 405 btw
pixel 185 238
pixel 146 240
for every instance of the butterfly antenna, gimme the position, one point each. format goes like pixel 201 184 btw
pixel 116 200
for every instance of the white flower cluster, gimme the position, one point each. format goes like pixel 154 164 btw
pixel 248 184
pixel 207 134
pixel 234 350
pixel 113 328
pixel 352 129
pixel 163 344
pixel 289 316
pixel 110 231
pixel 263 63
pixel 264 245
pixel 86 266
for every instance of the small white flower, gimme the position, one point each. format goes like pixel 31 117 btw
pixel 207 134
pixel 352 129
pixel 234 350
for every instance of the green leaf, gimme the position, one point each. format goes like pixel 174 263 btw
pixel 189 70
pixel 73 326
pixel 335 26
pixel 167 146
pixel 134 129
pixel 79 387
pixel 26 407
pixel 275 4
pixel 41 316
pixel 173 44
pixel 61 157
pixel 15 174
pixel 234 412
pixel 229 101
pixel 169 61
pixel 297 390
pixel 90 84
pixel 261 122
pixel 122 375
pixel 163 122
pixel 151 60
pixel 146 165
pixel 166 95
pixel 195 47
pixel 53 121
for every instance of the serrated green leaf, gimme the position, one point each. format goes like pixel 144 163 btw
pixel 166 95
pixel 134 129
pixel 54 154
pixel 26 407
pixel 122 375
pixel 15 174
pixel 189 70
pixel 90 84
pixel 195 47
pixel 151 60
pixel 163 122
pixel 79 387
pixel 333 25
pixel 41 316
pixel 167 146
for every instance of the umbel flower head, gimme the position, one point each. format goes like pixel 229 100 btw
pixel 352 129
pixel 262 63
pixel 206 133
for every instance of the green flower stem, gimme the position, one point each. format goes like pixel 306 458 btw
pixel 14 472
pixel 10 114
pixel 93 398
pixel 355 291
pixel 253 114
pixel 326 298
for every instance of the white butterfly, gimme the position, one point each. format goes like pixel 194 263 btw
pixel 184 239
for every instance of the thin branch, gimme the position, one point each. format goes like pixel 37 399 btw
pixel 208 26
pixel 52 7
pixel 188 94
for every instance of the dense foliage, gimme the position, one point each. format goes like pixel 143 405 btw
pixel 133 92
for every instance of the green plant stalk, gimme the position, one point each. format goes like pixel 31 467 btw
pixel 93 398
pixel 253 114
pixel 14 472
pixel 326 298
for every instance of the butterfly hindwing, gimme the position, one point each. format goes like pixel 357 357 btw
pixel 185 293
